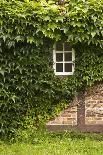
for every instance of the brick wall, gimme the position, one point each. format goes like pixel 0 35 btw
pixel 86 110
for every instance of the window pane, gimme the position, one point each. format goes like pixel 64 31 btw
pixel 67 47
pixel 68 56
pixel 59 46
pixel 59 67
pixel 68 67
pixel 59 57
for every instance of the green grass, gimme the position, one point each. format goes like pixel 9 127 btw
pixel 43 143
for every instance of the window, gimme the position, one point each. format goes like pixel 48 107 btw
pixel 63 57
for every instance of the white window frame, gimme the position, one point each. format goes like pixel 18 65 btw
pixel 54 61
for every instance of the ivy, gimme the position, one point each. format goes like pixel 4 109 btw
pixel 27 20
pixel 89 65
pixel 28 85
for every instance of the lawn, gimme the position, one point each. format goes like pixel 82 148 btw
pixel 44 143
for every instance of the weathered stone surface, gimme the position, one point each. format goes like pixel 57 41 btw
pixel 93 112
pixel 94 105
pixel 67 117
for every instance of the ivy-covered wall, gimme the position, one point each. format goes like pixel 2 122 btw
pixel 30 93
pixel 27 85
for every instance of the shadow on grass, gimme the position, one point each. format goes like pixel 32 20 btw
pixel 39 137
pixel 78 136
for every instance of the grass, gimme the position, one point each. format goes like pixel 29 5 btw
pixel 44 143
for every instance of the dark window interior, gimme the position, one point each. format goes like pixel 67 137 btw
pixel 59 67
pixel 67 56
pixel 68 67
pixel 67 47
pixel 59 57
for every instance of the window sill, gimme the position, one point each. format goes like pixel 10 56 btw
pixel 63 73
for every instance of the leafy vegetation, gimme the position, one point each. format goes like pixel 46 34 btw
pixel 31 21
pixel 28 87
pixel 43 143
pixel 30 93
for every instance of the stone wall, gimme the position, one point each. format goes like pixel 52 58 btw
pixel 67 117
pixel 94 105
pixel 85 111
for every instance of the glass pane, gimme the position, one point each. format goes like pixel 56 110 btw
pixel 67 47
pixel 59 67
pixel 59 57
pixel 68 56
pixel 68 67
pixel 59 46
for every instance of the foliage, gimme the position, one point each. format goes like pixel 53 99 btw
pixel 28 86
pixel 89 65
pixel 30 93
pixel 31 21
